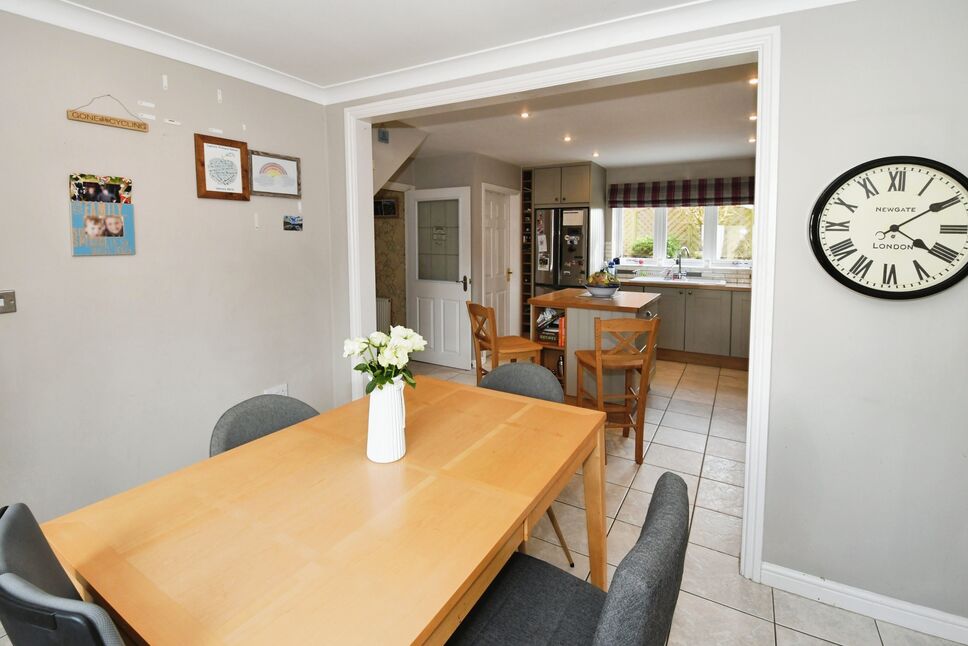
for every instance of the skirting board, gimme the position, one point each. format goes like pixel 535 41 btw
pixel 878 606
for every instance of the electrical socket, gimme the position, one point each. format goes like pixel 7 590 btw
pixel 281 389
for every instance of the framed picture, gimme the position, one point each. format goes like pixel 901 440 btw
pixel 102 215
pixel 275 175
pixel 386 207
pixel 221 168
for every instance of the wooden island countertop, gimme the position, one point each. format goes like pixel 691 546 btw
pixel 578 297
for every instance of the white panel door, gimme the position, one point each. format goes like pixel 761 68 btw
pixel 496 257
pixel 438 273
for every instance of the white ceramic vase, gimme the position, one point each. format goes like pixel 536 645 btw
pixel 385 437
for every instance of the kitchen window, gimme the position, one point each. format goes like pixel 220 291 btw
pixel 656 235
pixel 708 221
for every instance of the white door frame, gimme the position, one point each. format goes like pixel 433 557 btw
pixel 514 232
pixel 463 195
pixel 765 44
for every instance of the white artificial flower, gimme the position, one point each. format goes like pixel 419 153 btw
pixel 353 347
pixel 379 338
pixel 392 354
pixel 413 341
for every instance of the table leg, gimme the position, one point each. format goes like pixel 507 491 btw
pixel 593 473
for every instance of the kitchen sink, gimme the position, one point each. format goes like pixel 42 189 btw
pixel 679 281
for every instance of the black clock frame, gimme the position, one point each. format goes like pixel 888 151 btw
pixel 813 229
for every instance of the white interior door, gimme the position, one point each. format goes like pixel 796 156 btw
pixel 496 271
pixel 438 273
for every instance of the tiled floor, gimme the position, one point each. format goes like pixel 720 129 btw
pixel 696 427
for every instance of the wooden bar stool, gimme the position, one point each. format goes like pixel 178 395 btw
pixel 508 348
pixel 630 355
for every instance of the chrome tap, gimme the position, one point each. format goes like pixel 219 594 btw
pixel 688 254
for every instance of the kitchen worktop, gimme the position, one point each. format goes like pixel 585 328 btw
pixel 578 297
pixel 689 283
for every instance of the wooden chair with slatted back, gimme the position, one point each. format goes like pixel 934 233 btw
pixel 500 348
pixel 630 353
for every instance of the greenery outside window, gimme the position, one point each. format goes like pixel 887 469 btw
pixel 712 234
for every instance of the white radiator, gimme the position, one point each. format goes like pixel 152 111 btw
pixel 382 314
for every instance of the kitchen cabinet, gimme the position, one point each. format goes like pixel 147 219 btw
pixel 576 184
pixel 672 309
pixel 707 327
pixel 563 185
pixel 547 186
pixel 739 344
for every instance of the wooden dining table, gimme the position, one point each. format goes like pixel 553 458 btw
pixel 296 538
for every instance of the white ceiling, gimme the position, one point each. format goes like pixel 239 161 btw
pixel 330 51
pixel 327 42
pixel 701 116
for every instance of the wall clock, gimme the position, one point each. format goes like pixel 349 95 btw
pixel 895 227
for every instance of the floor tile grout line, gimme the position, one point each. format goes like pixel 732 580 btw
pixel 721 604
pixel 702 464
pixel 776 639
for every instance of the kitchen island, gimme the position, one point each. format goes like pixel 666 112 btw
pixel 579 310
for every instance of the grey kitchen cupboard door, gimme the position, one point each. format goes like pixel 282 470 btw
pixel 672 309
pixel 707 321
pixel 547 186
pixel 739 345
pixel 576 183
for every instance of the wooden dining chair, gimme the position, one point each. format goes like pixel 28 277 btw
pixel 631 354
pixel 500 348
pixel 530 380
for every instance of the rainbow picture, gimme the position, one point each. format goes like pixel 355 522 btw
pixel 275 175
pixel 272 169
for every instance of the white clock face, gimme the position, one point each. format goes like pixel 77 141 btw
pixel 894 229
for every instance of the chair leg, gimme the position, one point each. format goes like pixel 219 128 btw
pixel 640 420
pixel 561 537
pixel 628 403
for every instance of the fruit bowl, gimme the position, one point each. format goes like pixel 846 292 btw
pixel 602 291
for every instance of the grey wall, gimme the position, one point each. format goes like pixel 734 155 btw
pixel 868 444
pixel 687 170
pixel 867 480
pixel 115 369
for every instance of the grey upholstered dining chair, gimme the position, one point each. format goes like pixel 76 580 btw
pixel 38 602
pixel 531 602
pixel 256 417
pixel 530 380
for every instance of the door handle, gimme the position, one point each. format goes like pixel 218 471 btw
pixel 463 281
pixel 509 274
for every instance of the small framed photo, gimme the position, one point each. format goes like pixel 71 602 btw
pixel 221 168
pixel 102 215
pixel 275 175
pixel 386 207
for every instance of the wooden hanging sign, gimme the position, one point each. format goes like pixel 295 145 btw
pixel 106 120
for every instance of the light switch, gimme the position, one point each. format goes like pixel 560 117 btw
pixel 8 302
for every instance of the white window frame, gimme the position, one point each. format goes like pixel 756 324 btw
pixel 660 236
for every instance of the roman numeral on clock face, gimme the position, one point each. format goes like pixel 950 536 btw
pixel 849 207
pixel 953 228
pixel 842 249
pixel 869 189
pixel 943 252
pixel 861 267
pixel 838 226
pixel 890 275
pixel 898 180
pixel 922 274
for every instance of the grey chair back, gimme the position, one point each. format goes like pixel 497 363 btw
pixel 642 597
pixel 38 603
pixel 528 379
pixel 255 418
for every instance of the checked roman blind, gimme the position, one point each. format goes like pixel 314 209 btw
pixel 718 191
